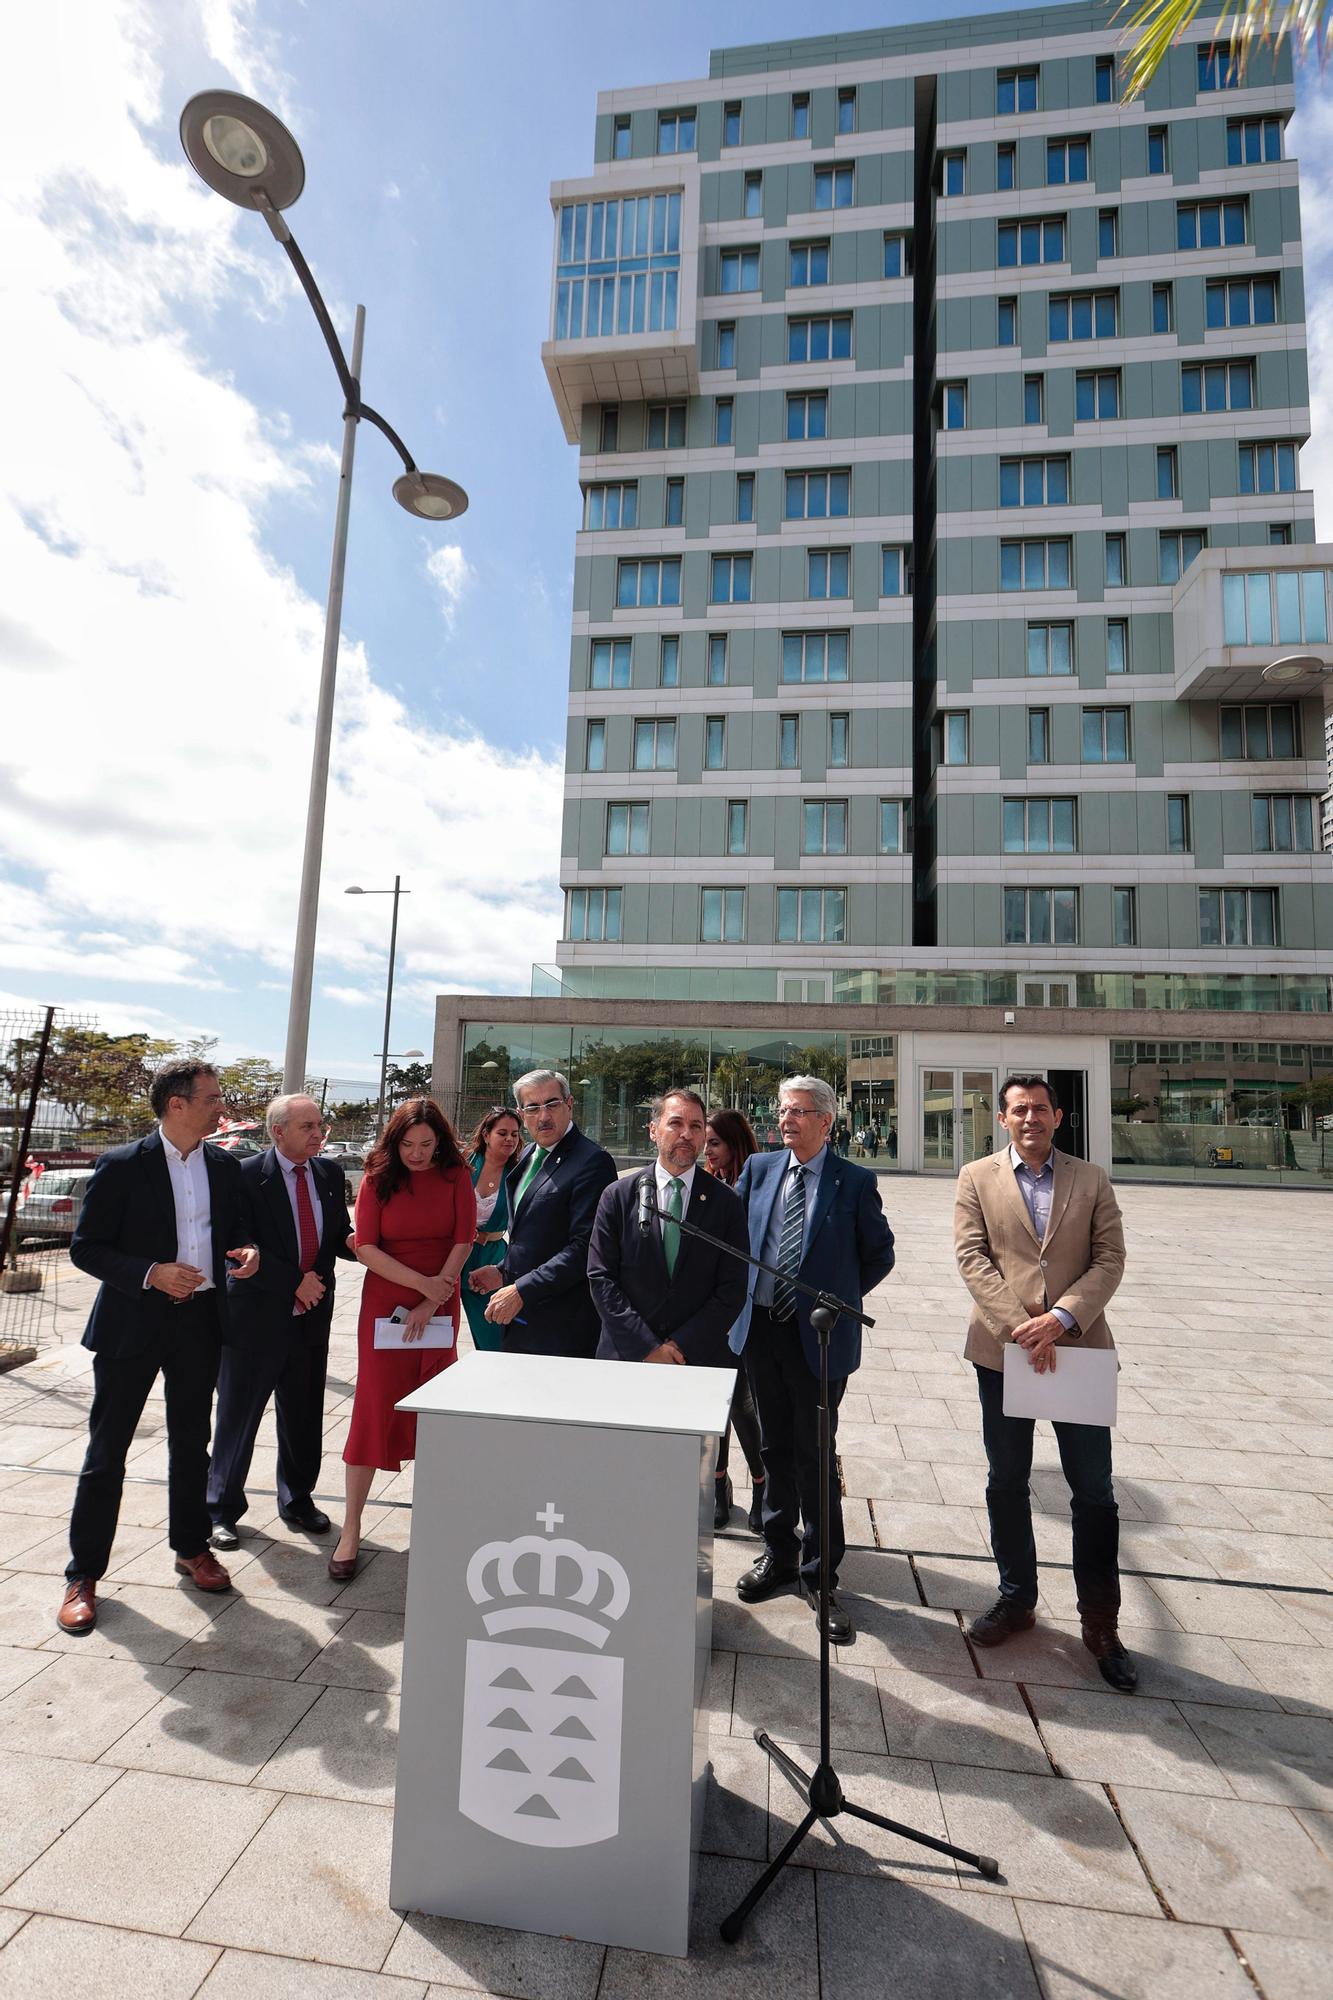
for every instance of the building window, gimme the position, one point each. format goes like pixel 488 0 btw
pixel 1206 225
pixel 1216 385
pixel 953 173
pixel 1108 232
pixel 731 124
pixel 1050 649
pixel 1066 161
pixel 675 131
pixel 817 496
pixel 1034 482
pixel 1283 823
pixel 839 741
pixel 828 572
pixel 1015 90
pixel 1251 618
pixel 895 571
pixel 824 826
pixel 1238 916
pixel 1218 66
pixel 1041 916
pixel 1117 645
pixel 1037 242
pixel 1006 322
pixel 1097 395
pixel 724 410
pixel 953 406
pixel 1176 550
pixel 615 506
pixel 620 139
pixel 1116 569
pixel 1168 472
pixel 605 281
pixel 814 656
pixel 738 826
pixel 1040 826
pixel 1157 156
pixel 666 426
pixel 1279 536
pixel 1082 316
pixel 594 745
pixel 1250 140
pixel 847 109
pixel 1106 736
pixel 655 745
pixel 668 661
pixel 1039 736
pixel 726 343
pixel 627 829
pixel 738 270
pixel 745 496
pixel 1124 917
pixel 610 428
pixel 1034 400
pixel 722 916
pixel 1006 168
pixel 1035 565
pixel 1104 90
pixel 592 916
pixel 828 338
pixel 1177 823
pixel 812 916
pixel 1260 731
pixel 953 736
pixel 800 114
pixel 1240 302
pixel 1163 318
pixel 647 581
pixel 807 264
pixel 891 826
pixel 833 187
pixel 673 503
pixel 715 743
pixel 731 579
pixel 752 196
pixel 807 415
pixel 610 663
pixel 897 254
pixel 789 742
pixel 717 659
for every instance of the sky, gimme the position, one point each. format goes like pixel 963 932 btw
pixel 167 486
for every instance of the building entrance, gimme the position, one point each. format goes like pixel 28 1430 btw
pixel 957 1117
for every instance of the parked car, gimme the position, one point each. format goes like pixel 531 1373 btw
pixel 50 1203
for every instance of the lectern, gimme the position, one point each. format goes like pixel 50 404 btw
pixel 552 1754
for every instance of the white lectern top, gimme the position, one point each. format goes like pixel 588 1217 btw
pixel 549 1389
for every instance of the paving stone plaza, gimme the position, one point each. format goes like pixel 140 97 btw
pixel 197 1798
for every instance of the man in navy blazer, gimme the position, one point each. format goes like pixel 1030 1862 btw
pixel 155 1228
pixel 662 1295
pixel 277 1341
pixel 818 1218
pixel 540 1292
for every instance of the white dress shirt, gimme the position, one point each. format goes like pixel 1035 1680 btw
pixel 812 1169
pixel 194 1220
pixel 664 1180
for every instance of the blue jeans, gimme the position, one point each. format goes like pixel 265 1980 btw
pixel 1085 1457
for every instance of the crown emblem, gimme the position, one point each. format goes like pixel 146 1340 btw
pixel 529 1568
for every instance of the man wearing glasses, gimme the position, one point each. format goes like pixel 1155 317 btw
pixel 815 1217
pixel 540 1292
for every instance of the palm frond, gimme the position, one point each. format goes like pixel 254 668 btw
pixel 1154 26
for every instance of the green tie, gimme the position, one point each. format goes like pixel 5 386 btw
pixel 670 1234
pixel 534 1168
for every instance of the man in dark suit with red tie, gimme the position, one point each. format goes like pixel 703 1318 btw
pixel 277 1340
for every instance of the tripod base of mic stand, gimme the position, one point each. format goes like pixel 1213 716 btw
pixel 824 1795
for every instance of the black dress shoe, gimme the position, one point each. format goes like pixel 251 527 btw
pixel 224 1536
pixel 839 1623
pixel 1114 1664
pixel 722 1502
pixel 308 1517
pixel 765 1579
pixel 1000 1623
pixel 754 1520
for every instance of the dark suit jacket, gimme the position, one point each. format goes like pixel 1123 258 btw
pixel 639 1305
pixel 547 1255
pixel 128 1223
pixel 260 1308
pixel 848 1248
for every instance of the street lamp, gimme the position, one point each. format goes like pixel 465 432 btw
pixel 241 151
pixel 396 891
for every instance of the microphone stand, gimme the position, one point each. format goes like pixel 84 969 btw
pixel 821 1787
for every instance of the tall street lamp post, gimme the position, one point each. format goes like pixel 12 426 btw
pixel 241 151
pixel 396 891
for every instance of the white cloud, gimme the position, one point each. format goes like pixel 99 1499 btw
pixel 1310 140
pixel 163 654
pixel 351 996
pixel 451 573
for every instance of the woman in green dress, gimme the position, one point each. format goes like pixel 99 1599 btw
pixel 491 1148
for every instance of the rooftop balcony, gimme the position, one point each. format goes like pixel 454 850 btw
pixel 624 289
pixel 1254 622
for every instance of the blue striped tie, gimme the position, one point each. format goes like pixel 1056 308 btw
pixel 789 1245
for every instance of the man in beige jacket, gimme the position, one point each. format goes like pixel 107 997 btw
pixel 1040 1246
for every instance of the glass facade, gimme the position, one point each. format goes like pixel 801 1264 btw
pixel 1256 1112
pixel 618 266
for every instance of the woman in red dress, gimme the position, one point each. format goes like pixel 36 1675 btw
pixel 416 1216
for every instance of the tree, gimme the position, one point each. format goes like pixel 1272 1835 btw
pixel 404 1081
pixel 1241 24
pixel 248 1084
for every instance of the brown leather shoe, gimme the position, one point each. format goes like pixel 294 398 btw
pixel 204 1571
pixel 78 1607
pixel 342 1570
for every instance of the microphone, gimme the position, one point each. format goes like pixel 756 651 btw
pixel 647 1205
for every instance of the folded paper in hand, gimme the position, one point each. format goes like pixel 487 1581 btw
pixel 390 1332
pixel 1079 1390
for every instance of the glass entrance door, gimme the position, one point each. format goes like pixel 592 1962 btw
pixel 957 1117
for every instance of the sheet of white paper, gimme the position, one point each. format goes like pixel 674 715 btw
pixel 438 1333
pixel 1079 1390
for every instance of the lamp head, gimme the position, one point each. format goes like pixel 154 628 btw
pixel 430 497
pixel 355 890
pixel 241 150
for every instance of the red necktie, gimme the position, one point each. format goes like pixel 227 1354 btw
pixel 305 1218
